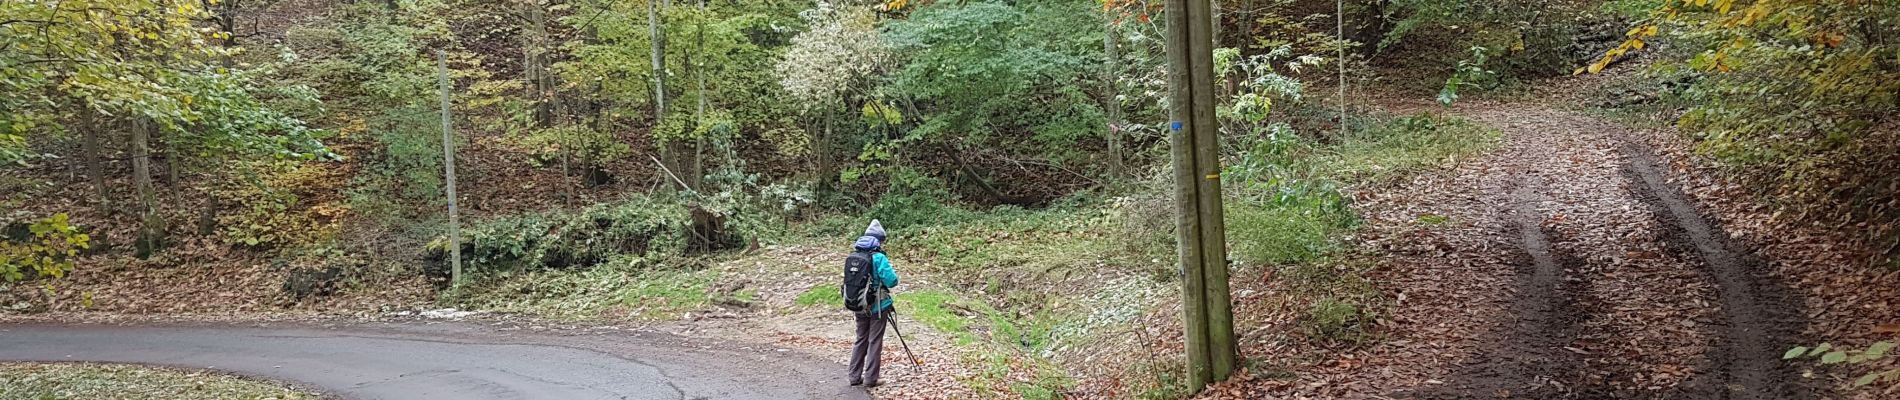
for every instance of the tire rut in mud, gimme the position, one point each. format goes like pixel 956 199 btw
pixel 1531 356
pixel 1758 315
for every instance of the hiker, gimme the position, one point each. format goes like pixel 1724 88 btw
pixel 868 278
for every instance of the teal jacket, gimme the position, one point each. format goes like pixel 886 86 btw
pixel 886 276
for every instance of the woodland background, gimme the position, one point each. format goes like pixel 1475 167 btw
pixel 227 156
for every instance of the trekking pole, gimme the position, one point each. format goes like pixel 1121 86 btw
pixel 900 338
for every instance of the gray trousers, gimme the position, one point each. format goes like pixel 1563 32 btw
pixel 867 353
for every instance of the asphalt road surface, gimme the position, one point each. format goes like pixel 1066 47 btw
pixel 423 360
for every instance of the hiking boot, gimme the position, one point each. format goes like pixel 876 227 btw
pixel 873 384
pixel 857 382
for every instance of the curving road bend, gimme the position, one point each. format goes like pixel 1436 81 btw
pixel 424 360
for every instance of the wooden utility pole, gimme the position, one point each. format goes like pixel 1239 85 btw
pixel 1195 143
pixel 448 170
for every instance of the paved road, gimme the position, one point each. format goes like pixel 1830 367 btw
pixel 449 360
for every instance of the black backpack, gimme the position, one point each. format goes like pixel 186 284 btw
pixel 862 292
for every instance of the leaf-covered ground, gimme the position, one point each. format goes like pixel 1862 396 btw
pixel 112 381
pixel 1554 268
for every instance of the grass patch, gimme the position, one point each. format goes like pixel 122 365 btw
pixel 827 293
pixel 941 311
pixel 1055 241
pixel 1405 145
pixel 113 381
pixel 1048 385
pixel 1338 320
pixel 1344 303
pixel 1287 206
pixel 1160 381
pixel 1265 234
pixel 993 340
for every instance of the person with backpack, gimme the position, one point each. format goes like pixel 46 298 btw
pixel 868 277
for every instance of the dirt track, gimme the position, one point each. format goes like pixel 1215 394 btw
pixel 1621 288
pixel 1758 315
pixel 1568 265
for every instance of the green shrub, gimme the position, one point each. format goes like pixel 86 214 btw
pixel 642 227
pixel 46 252
pixel 1527 46
pixel 268 211
pixel 1798 97
pixel 915 199
pixel 13 149
pixel 751 209
pixel 589 148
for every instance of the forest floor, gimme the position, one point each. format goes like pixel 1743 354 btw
pixel 1585 258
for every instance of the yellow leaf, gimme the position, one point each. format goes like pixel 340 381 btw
pixel 1754 13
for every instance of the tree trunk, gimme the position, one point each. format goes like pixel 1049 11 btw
pixel 821 150
pixel 1215 23
pixel 657 39
pixel 208 217
pixel 95 168
pixel 705 225
pixel 674 151
pixel 151 226
pixel 700 45
pixel 227 16
pixel 174 162
pixel 535 63
pixel 670 149
pixel 1246 25
pixel 682 154
pixel 1111 95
